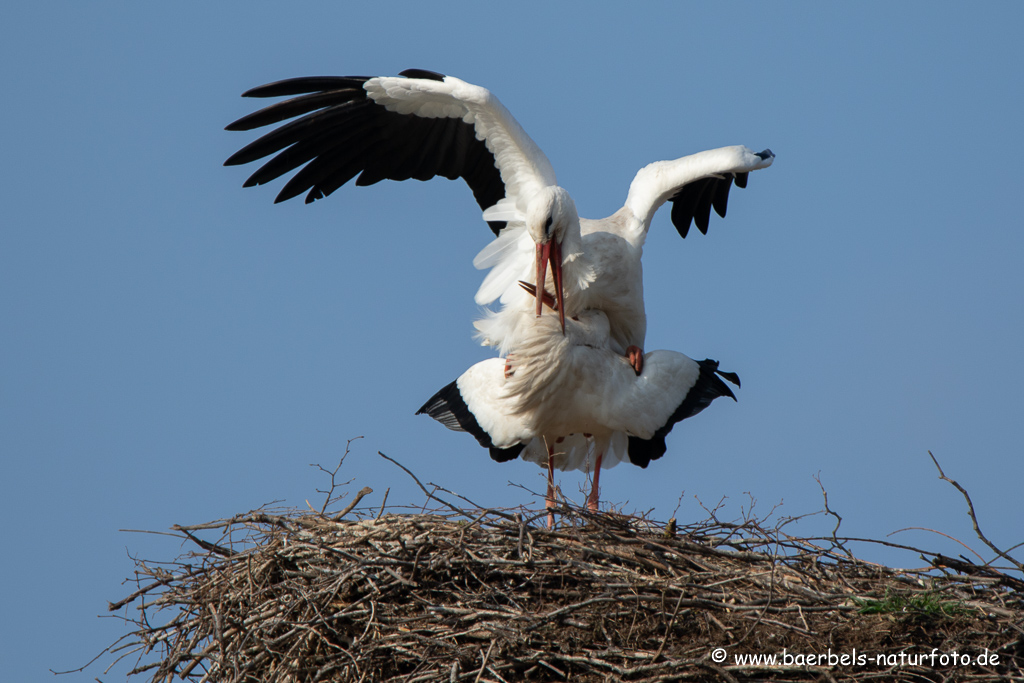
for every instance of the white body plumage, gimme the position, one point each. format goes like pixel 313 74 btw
pixel 555 386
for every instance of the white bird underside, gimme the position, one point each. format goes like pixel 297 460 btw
pixel 574 386
pixel 422 124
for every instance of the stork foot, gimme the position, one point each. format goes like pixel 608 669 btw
pixel 549 505
pixel 635 355
pixel 549 499
pixel 594 490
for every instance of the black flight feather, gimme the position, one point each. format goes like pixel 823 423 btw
pixel 332 132
pixel 449 408
pixel 706 389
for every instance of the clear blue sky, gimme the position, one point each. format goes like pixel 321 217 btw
pixel 177 349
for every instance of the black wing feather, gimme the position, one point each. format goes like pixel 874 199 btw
pixel 295 156
pixel 296 106
pixel 720 199
pixel 306 84
pixel 449 408
pixel 325 123
pixel 693 202
pixel 333 166
pixel 332 132
pixel 422 73
pixel 702 210
pixel 706 389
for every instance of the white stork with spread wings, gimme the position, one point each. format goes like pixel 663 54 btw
pixel 422 124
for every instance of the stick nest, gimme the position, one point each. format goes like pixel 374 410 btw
pixel 486 595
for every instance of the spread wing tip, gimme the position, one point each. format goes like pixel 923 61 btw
pixel 305 84
pixel 422 73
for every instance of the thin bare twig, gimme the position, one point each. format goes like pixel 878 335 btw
pixel 363 492
pixel 383 504
pixel 830 511
pixel 974 517
pixel 423 488
pixel 329 494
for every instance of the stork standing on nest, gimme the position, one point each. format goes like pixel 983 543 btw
pixel 422 124
pixel 557 384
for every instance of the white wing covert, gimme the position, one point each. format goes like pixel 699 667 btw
pixel 694 184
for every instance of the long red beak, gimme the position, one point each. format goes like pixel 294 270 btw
pixel 550 251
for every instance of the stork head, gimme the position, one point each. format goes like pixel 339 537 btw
pixel 551 220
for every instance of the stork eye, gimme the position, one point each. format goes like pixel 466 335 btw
pixel 547 225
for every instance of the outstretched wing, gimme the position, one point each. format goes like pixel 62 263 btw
pixel 694 184
pixel 474 403
pixel 418 125
pixel 706 387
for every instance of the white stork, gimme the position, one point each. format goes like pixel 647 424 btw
pixel 556 385
pixel 423 124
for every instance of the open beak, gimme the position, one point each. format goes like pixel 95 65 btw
pixel 550 252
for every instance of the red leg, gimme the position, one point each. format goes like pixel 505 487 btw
pixel 636 358
pixel 550 501
pixel 594 491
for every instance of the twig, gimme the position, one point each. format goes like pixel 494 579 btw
pixel 830 511
pixel 206 545
pixel 489 511
pixel 422 487
pixel 668 629
pixel 955 540
pixel 363 492
pixel 483 666
pixel 383 504
pixel 974 518
pixel 329 498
